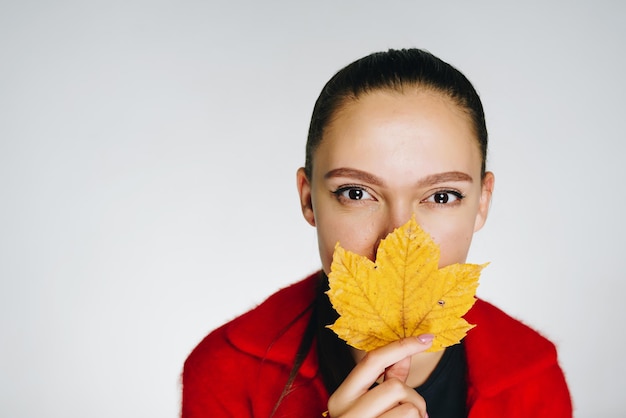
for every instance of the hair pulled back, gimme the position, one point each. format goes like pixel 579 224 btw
pixel 395 70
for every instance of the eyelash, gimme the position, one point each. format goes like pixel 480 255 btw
pixel 342 189
pixel 458 195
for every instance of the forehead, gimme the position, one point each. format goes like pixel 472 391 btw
pixel 413 102
pixel 413 129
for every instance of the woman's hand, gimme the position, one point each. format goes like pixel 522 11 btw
pixel 392 398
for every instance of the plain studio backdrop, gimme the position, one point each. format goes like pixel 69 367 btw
pixel 148 152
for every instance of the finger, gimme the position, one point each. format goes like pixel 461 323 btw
pixel 405 410
pixel 399 370
pixel 373 365
pixel 385 399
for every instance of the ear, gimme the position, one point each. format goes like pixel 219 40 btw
pixel 304 190
pixel 485 200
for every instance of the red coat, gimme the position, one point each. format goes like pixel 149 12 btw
pixel 239 370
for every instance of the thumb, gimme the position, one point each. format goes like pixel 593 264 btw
pixel 401 369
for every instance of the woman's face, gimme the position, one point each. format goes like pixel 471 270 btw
pixel 387 156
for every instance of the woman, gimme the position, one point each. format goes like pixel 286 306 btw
pixel 393 135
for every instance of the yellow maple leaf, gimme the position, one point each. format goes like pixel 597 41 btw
pixel 403 294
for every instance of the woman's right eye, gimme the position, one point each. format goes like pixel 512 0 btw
pixel 352 193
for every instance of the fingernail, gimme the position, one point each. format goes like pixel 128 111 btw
pixel 426 338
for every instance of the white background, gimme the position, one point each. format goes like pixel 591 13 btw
pixel 148 152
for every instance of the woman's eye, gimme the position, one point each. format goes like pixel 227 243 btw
pixel 445 197
pixel 352 193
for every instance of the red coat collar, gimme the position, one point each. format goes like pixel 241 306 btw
pixel 273 330
pixel 501 351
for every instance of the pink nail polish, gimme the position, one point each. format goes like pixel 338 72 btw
pixel 426 338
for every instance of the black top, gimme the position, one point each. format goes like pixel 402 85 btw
pixel 445 390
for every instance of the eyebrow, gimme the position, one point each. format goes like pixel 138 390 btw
pixel 355 174
pixel 433 179
pixel 427 181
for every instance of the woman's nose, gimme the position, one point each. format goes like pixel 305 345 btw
pixel 397 216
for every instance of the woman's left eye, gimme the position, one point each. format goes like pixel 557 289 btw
pixel 445 197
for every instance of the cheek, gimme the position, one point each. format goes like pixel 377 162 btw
pixel 454 242
pixel 353 236
pixel 455 251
